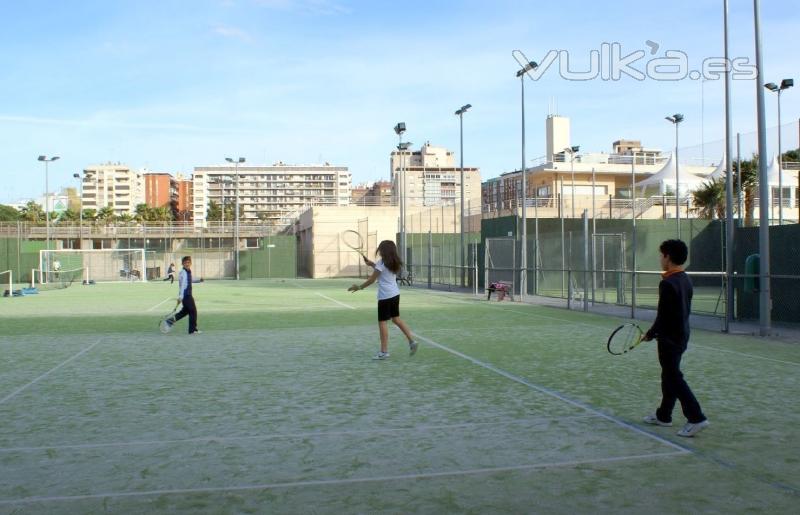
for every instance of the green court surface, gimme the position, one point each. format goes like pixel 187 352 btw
pixel 278 408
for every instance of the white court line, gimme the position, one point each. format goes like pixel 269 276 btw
pixel 715 349
pixel 277 436
pixel 21 388
pixel 596 326
pixel 328 482
pixel 334 300
pixel 554 394
pixel 163 301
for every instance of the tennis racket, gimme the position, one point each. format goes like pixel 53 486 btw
pixel 165 326
pixel 354 240
pixel 625 338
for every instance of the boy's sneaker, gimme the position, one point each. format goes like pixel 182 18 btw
pixel 381 355
pixel 198 331
pixel 412 347
pixel 653 420
pixel 690 429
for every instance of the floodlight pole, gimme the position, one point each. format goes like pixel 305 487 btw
pixel 80 212
pixel 676 119
pixel 524 249
pixel 46 161
pixel 236 215
pixel 460 114
pixel 785 84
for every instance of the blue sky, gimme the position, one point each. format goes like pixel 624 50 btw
pixel 170 85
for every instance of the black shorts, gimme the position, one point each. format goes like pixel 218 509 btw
pixel 388 308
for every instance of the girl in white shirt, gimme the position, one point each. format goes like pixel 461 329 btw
pixel 386 270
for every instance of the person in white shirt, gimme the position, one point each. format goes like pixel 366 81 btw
pixel 386 270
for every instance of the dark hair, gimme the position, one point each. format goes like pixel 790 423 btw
pixel 185 259
pixel 676 250
pixel 388 251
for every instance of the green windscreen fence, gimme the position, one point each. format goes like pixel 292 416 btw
pixel 276 257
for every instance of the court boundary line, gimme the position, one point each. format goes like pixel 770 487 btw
pixel 163 301
pixel 449 296
pixel 334 300
pixel 68 360
pixel 279 436
pixel 328 482
pixel 554 394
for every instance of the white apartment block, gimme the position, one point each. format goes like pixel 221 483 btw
pixel 112 185
pixel 270 193
pixel 432 177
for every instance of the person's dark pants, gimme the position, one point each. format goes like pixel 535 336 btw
pixel 674 387
pixel 170 278
pixel 188 308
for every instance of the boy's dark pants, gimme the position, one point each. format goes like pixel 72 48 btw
pixel 674 387
pixel 188 308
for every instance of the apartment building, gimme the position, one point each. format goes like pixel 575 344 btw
pixel 160 189
pixel 431 177
pixel 112 185
pixel 185 202
pixel 269 193
pixel 379 193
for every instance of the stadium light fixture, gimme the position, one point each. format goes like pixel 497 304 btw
pixel 460 114
pixel 236 163
pixel 676 120
pixel 785 84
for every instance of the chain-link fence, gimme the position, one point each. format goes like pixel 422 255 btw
pixel 616 262
pixel 262 253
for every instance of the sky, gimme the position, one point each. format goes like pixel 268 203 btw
pixel 168 85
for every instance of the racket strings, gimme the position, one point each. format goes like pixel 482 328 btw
pixel 625 338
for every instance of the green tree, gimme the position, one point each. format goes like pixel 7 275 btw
pixel 749 186
pixel 125 217
pixel 89 215
pixel 106 214
pixel 8 214
pixel 32 212
pixel 69 216
pixel 214 213
pixel 709 199
pixel 141 212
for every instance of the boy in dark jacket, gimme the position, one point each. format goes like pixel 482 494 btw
pixel 671 330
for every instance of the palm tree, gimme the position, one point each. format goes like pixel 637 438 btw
pixel 125 217
pixel 106 214
pixel 89 214
pixel 748 187
pixel 709 199
pixel 69 215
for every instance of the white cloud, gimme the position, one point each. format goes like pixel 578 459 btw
pixel 232 32
pixel 319 7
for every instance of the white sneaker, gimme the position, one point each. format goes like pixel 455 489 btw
pixel 690 429
pixel 381 355
pixel 412 347
pixel 653 420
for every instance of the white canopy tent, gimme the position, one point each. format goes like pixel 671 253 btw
pixel 789 176
pixel 665 179
pixel 719 171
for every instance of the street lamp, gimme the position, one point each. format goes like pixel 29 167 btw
pixel 46 160
pixel 531 65
pixel 676 119
pixel 80 213
pixel 572 151
pixel 785 84
pixel 460 114
pixel 400 129
pixel 236 230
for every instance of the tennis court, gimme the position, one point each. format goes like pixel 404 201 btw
pixel 278 408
